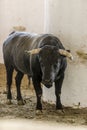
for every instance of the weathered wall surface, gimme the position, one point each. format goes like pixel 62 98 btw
pixel 22 15
pixel 68 20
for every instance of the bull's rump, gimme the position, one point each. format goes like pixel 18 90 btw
pixel 14 50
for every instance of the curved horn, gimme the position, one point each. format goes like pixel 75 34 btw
pixel 34 51
pixel 65 53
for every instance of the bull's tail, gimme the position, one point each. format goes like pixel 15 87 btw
pixel 12 33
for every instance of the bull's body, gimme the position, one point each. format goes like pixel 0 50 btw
pixel 15 57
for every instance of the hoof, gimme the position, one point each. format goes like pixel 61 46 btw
pixel 39 112
pixel 60 111
pixel 21 102
pixel 8 102
pixel 59 107
pixel 5 92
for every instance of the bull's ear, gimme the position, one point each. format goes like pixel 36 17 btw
pixel 34 51
pixel 65 53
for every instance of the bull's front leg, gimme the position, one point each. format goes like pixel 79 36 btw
pixel 58 86
pixel 38 90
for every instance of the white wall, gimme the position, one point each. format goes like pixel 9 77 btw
pixel 27 14
pixel 67 19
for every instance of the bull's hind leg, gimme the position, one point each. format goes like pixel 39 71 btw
pixel 9 72
pixel 18 79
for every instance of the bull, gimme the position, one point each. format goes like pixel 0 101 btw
pixel 42 57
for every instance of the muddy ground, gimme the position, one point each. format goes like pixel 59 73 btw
pixel 27 111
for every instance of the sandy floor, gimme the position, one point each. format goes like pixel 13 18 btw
pixel 77 117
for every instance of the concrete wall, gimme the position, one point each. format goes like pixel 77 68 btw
pixel 67 19
pixel 23 15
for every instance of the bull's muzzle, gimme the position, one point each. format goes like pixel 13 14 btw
pixel 47 83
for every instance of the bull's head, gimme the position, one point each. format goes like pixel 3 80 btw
pixel 50 62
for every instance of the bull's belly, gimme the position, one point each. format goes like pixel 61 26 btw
pixel 20 66
pixel 23 69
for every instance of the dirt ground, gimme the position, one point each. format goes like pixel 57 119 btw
pixel 70 116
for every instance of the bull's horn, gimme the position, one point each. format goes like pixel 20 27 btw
pixel 34 51
pixel 65 53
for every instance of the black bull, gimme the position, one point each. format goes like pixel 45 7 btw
pixel 42 57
